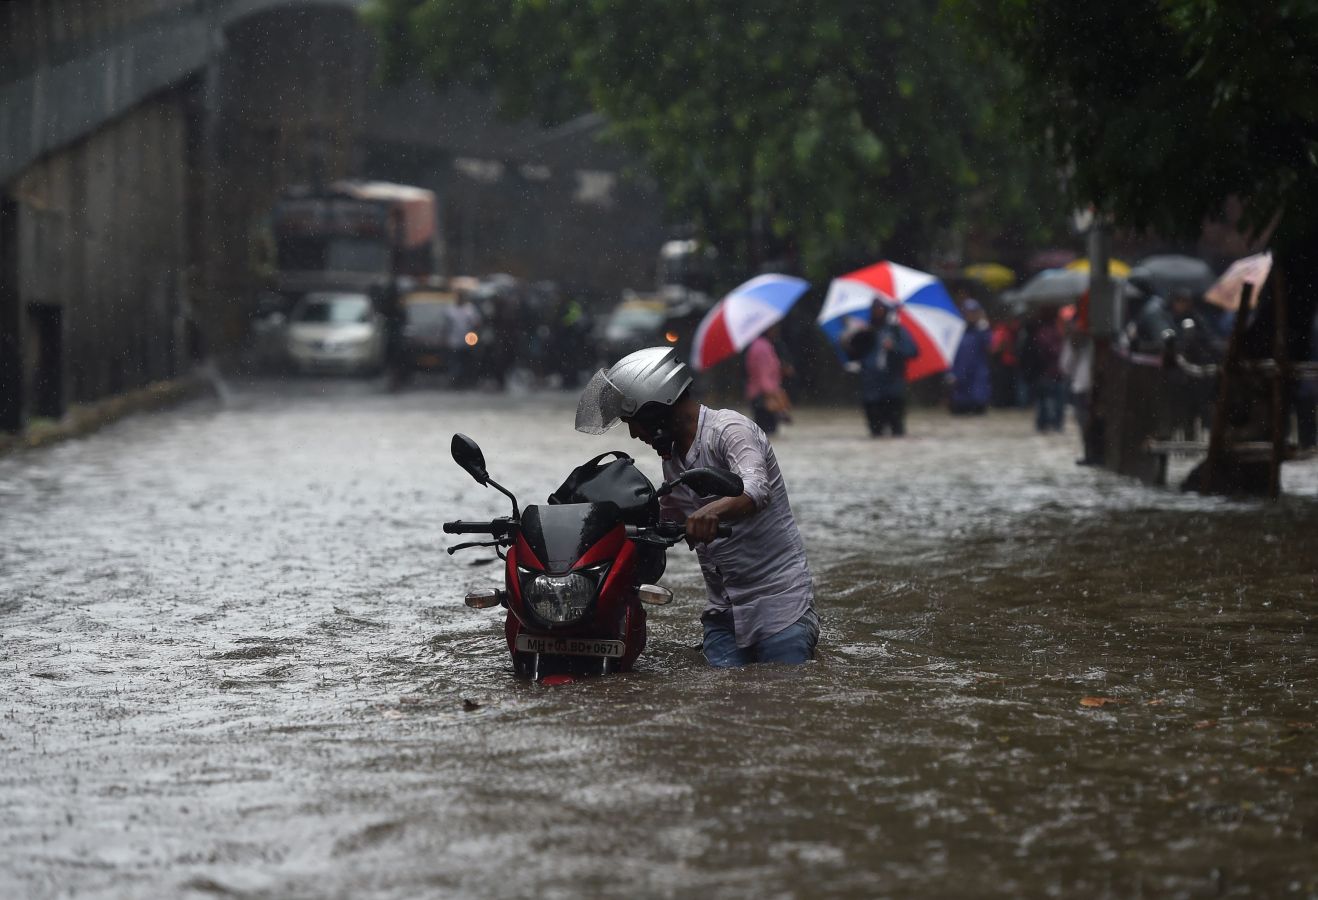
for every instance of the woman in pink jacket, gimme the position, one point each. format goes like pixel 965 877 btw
pixel 764 383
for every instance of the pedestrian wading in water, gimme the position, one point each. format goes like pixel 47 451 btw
pixel 882 349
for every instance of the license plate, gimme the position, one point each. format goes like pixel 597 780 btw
pixel 428 361
pixel 567 646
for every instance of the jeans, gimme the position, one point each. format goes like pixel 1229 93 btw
pixel 889 413
pixel 1024 392
pixel 794 644
pixel 1051 393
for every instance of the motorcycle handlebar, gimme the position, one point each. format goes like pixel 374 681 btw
pixel 496 528
pixel 676 531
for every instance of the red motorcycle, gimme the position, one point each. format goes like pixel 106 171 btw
pixel 578 569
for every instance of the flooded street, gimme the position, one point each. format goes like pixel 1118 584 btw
pixel 237 664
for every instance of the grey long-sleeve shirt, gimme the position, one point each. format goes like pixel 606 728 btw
pixel 760 571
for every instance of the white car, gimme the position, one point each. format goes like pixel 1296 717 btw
pixel 336 332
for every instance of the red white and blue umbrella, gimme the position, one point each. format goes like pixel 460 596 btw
pixel 742 316
pixel 922 303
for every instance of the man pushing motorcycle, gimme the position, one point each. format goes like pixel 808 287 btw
pixel 760 605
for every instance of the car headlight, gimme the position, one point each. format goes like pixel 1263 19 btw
pixel 561 598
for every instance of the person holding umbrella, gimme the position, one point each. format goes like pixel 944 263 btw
pixel 882 349
pixel 746 319
pixel 892 324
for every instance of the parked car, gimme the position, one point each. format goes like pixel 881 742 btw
pixel 428 319
pixel 632 325
pixel 670 317
pixel 336 332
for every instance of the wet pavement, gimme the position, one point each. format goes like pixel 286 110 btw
pixel 237 664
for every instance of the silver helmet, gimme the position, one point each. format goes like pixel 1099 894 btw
pixel 652 375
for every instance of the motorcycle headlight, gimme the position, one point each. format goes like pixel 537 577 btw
pixel 560 598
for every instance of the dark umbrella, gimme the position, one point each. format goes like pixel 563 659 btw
pixel 1163 274
pixel 1051 287
pixel 1057 287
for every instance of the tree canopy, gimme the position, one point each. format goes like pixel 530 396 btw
pixel 1165 110
pixel 829 131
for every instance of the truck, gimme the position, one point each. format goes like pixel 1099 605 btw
pixel 354 235
pixel 337 244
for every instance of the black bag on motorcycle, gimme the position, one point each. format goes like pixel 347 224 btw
pixel 622 483
pixel 618 481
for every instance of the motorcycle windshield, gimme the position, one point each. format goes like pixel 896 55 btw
pixel 559 535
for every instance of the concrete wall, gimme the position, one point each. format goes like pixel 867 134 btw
pixel 69 66
pixel 141 142
pixel 101 245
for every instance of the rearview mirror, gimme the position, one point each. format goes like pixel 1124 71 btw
pixel 716 482
pixel 467 454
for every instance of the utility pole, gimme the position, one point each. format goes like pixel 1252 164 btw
pixel 1214 480
pixel 1281 384
pixel 13 414
pixel 1104 320
pixel 1104 317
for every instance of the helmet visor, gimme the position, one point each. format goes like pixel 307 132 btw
pixel 600 405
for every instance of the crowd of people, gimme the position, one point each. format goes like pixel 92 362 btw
pixel 1026 360
pixel 1039 358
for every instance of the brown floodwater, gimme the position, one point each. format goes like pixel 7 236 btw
pixel 236 663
